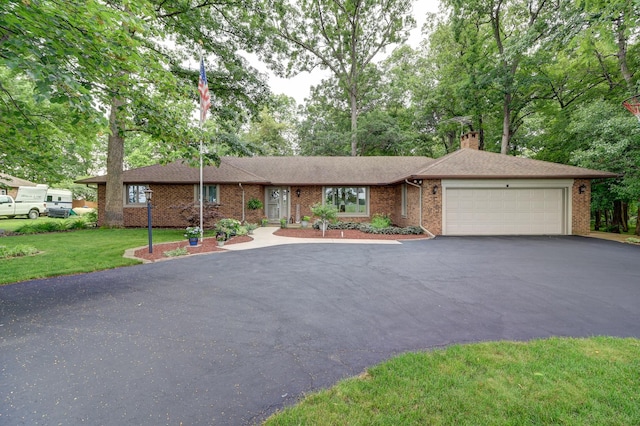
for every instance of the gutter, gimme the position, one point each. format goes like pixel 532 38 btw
pixel 243 220
pixel 421 226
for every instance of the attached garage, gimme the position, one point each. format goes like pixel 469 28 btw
pixel 506 207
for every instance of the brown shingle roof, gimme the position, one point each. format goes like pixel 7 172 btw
pixel 282 171
pixel 180 172
pixel 13 182
pixel 331 170
pixel 462 164
pixel 470 164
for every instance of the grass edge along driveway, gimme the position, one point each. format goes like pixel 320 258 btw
pixel 73 252
pixel 593 381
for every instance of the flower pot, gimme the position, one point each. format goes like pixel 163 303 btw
pixel 193 241
pixel 220 243
pixel 304 223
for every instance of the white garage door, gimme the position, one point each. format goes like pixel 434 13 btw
pixel 504 211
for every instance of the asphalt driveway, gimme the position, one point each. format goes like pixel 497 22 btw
pixel 228 338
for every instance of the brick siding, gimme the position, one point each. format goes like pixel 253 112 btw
pixel 581 207
pixel 382 199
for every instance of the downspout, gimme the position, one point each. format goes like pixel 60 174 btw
pixel 421 226
pixel 242 201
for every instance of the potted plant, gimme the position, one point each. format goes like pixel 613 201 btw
pixel 265 221
pixel 221 238
pixel 192 233
pixel 283 222
pixel 250 227
pixel 305 221
pixel 254 204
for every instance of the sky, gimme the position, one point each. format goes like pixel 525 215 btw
pixel 299 86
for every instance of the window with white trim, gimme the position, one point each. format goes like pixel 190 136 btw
pixel 136 195
pixel 350 201
pixel 210 193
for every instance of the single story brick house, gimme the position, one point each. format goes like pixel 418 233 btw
pixel 467 192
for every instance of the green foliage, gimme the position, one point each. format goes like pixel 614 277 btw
pixel 228 228
pixel 551 381
pixel 325 212
pixel 17 251
pixel 57 225
pixel 343 38
pixel 380 220
pixel 64 253
pixel 180 251
pixel 254 204
pixel 192 232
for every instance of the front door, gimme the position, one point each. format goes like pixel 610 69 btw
pixel 277 203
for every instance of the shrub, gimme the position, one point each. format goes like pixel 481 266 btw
pixel 190 212
pixel 228 228
pixel 180 251
pixel 380 220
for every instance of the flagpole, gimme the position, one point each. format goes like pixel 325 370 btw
pixel 203 88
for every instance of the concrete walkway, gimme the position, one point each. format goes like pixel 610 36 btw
pixel 265 237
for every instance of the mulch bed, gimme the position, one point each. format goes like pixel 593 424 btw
pixel 210 245
pixel 352 234
pixel 206 245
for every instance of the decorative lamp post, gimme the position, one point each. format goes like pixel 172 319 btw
pixel 148 193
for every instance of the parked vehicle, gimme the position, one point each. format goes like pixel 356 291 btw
pixel 61 198
pixel 11 208
pixel 55 198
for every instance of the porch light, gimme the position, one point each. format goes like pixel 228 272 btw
pixel 434 191
pixel 582 188
pixel 298 192
pixel 148 193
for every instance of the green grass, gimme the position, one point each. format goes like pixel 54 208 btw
pixel 63 253
pixel 14 224
pixel 555 381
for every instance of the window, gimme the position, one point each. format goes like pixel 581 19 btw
pixel 350 201
pixel 404 200
pixel 210 193
pixel 135 194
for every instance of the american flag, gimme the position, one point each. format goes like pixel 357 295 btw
pixel 203 88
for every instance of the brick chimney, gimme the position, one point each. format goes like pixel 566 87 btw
pixel 470 140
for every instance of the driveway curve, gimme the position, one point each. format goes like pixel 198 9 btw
pixel 228 338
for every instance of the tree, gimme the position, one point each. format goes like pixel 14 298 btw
pixel 612 143
pixel 272 132
pixel 515 33
pixel 43 141
pixel 343 36
pixel 114 54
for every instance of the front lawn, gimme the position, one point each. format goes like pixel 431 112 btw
pixel 556 381
pixel 63 253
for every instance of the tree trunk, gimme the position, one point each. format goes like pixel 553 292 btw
pixel 625 217
pixel 354 122
pixel 113 209
pixel 598 220
pixel 616 220
pixel 638 220
pixel 506 123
